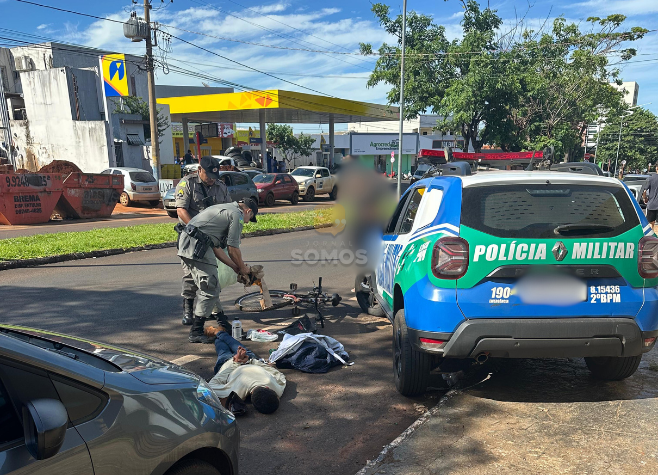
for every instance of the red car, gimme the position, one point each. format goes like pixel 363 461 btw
pixel 276 186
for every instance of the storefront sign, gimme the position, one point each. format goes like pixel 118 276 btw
pixel 382 144
pixel 115 76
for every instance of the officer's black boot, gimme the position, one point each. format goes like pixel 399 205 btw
pixel 196 332
pixel 188 311
pixel 223 321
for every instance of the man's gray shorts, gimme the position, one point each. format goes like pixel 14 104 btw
pixel 205 278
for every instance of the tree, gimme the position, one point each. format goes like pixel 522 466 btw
pixel 519 89
pixel 460 80
pixel 639 140
pixel 565 77
pixel 284 139
pixel 137 105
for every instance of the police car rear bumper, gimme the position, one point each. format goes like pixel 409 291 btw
pixel 537 338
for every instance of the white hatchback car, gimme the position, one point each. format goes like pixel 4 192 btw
pixel 139 185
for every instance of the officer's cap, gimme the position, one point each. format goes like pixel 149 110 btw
pixel 211 166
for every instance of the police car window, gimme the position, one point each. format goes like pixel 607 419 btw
pixel 11 425
pixel 412 209
pixel 548 211
pixel 392 224
pixel 226 179
pixel 240 179
pixel 325 173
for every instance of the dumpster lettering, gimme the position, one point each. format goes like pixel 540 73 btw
pixel 96 198
pixel 24 204
pixel 13 181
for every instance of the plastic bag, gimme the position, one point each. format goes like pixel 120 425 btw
pixel 225 275
pixel 261 335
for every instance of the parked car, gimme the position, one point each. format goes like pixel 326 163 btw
pixel 252 172
pixel 139 185
pixel 239 186
pixel 420 171
pixel 515 265
pixel 315 181
pixel 276 186
pixel 635 183
pixel 76 406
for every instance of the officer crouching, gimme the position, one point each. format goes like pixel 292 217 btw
pixel 200 246
pixel 194 193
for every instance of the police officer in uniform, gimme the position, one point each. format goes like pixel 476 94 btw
pixel 194 193
pixel 200 246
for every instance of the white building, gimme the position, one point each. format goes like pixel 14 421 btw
pixel 423 125
pixel 631 90
pixel 59 111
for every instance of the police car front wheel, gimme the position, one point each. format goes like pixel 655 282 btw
pixel 411 368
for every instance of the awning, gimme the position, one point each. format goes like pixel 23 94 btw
pixel 280 107
pixel 134 139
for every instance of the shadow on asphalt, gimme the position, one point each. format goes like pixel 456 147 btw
pixel 326 424
pixel 552 381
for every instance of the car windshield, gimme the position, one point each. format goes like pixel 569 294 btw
pixel 420 171
pixel 310 172
pixel 548 211
pixel 266 178
pixel 141 177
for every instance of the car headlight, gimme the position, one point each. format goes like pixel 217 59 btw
pixel 260 190
pixel 206 395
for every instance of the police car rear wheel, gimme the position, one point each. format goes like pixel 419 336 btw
pixel 411 368
pixel 613 368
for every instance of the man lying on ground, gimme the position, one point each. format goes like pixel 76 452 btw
pixel 244 375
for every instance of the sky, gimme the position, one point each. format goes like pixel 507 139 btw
pixel 297 42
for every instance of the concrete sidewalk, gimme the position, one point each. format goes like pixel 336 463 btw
pixel 534 417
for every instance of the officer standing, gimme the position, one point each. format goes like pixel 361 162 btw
pixel 200 246
pixel 194 193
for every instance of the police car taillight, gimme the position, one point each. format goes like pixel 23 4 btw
pixel 450 258
pixel 647 257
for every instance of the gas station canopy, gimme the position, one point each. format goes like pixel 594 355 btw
pixel 277 106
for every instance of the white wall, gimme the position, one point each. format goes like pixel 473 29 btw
pixel 81 142
pixel 50 133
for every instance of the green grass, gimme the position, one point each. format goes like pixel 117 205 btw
pixel 46 245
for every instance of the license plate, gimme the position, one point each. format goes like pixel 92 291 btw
pixel 147 188
pixel 557 290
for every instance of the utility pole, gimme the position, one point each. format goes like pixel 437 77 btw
pixel 404 32
pixel 153 112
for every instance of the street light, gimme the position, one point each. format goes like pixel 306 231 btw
pixel 404 32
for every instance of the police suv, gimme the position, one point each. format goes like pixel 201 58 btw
pixel 516 265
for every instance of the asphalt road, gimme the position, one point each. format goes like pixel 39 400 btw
pixel 133 216
pixel 326 424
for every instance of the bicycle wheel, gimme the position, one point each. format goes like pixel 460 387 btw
pixel 251 302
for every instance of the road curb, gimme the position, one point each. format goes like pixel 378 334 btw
pixel 371 464
pixel 39 261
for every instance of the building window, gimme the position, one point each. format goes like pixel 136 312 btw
pixel 437 144
pixel 5 79
pixel 134 139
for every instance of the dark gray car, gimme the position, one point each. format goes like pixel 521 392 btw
pixel 76 407
pixel 240 186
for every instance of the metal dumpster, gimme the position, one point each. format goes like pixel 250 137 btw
pixel 89 195
pixel 28 198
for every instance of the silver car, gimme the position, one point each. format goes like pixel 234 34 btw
pixel 139 185
pixel 240 187
pixel 76 407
